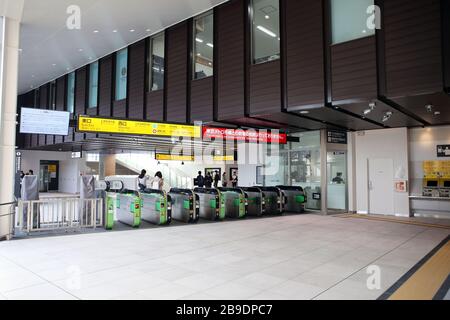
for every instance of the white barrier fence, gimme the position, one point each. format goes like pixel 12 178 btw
pixel 61 214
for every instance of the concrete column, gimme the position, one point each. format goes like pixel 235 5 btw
pixel 108 165
pixel 8 110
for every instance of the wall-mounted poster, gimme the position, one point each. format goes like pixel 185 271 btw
pixel 401 186
pixel 443 151
pixel 234 171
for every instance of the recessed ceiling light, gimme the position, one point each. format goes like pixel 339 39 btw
pixel 80 50
pixel 267 17
pixel 304 112
pixel 54 64
pixel 96 31
pixel 114 31
pixel 132 30
pixel 148 30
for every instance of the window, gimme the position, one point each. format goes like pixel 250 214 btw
pixel 71 92
pixel 53 95
pixel 121 74
pixel 157 63
pixel 93 85
pixel 265 30
pixel 203 46
pixel 349 20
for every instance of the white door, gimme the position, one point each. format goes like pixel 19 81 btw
pixel 381 190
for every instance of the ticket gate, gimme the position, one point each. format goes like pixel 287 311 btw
pixel 185 205
pixel 156 207
pixel 112 190
pixel 256 201
pixel 235 202
pixel 128 205
pixel 274 200
pixel 294 199
pixel 211 204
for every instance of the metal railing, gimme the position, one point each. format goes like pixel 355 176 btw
pixel 61 214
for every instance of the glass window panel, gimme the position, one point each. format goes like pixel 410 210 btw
pixel 121 74
pixel 53 95
pixel 349 20
pixel 71 92
pixel 157 63
pixel 266 30
pixel 203 46
pixel 93 85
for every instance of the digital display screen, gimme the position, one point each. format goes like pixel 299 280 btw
pixel 446 184
pixel 432 184
pixel 42 121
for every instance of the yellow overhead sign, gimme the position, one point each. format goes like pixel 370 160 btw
pixel 224 158
pixel 109 125
pixel 169 157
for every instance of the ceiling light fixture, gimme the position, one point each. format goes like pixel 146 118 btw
pixel 266 31
pixel 437 113
pixel 210 45
pixel 372 107
pixel 115 31
pixel 304 112
pixel 387 116
pixel 80 50
pixel 96 31
pixel 148 30
pixel 132 30
pixel 199 40
pixel 267 17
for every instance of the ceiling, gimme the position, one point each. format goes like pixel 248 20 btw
pixel 49 49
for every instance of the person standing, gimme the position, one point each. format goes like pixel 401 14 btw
pixel 200 180
pixel 158 181
pixel 224 180
pixel 142 180
pixel 216 179
pixel 234 180
pixel 208 181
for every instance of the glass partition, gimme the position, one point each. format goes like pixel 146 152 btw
pixel 337 180
pixel 203 46
pixel 157 63
pixel 121 74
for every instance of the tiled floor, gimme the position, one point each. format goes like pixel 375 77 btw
pixel 290 257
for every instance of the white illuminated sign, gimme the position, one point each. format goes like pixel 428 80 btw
pixel 41 121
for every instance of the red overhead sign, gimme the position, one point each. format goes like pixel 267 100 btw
pixel 244 135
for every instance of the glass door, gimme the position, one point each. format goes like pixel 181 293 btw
pixel 44 178
pixel 337 181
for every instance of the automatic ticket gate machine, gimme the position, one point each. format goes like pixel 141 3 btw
pixel 128 205
pixel 185 205
pixel 156 207
pixel 256 203
pixel 211 204
pixel 294 199
pixel 112 190
pixel 235 202
pixel 274 200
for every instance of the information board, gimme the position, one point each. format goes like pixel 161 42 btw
pixel 42 121
pixel 131 127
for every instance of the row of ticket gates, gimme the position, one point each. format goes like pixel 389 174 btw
pixel 160 208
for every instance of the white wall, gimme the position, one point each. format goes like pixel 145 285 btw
pixel 381 144
pixel 69 169
pixel 423 146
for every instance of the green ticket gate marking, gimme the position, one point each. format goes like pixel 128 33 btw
pixel 300 199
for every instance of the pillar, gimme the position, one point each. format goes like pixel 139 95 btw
pixel 107 165
pixel 8 109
